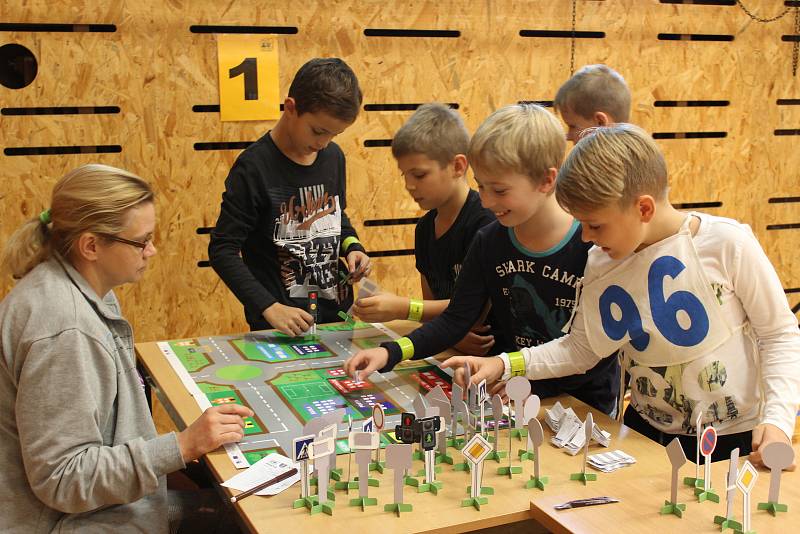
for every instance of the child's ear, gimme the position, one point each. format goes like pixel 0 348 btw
pixel 602 118
pixel 646 206
pixel 289 105
pixel 548 180
pixel 460 165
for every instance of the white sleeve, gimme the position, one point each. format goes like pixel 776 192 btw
pixel 568 355
pixel 757 286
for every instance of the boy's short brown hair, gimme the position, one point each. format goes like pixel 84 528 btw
pixel 329 85
pixel 435 131
pixel 595 88
pixel 611 165
pixel 522 138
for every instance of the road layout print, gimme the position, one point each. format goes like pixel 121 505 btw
pixel 287 381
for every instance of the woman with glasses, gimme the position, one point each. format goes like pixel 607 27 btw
pixel 79 451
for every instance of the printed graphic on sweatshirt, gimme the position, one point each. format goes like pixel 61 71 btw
pixel 307 235
pixel 667 396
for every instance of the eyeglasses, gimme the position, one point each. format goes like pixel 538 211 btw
pixel 138 244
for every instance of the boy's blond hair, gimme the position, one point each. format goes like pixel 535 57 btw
pixel 434 130
pixel 522 138
pixel 611 165
pixel 595 88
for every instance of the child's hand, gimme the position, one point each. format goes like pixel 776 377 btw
pixel 481 368
pixel 381 307
pixel 763 435
pixel 218 425
pixel 475 343
pixel 288 319
pixel 359 266
pixel 366 362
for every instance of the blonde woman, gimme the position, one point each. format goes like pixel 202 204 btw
pixel 79 451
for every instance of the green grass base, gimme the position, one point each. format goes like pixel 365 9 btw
pixel 694 482
pixel 397 508
pixel 706 495
pixel 724 523
pixel 523 455
pixel 537 483
pixel 497 455
pixel 477 503
pixel 773 507
pixel 510 471
pixel 673 509
pixel 363 502
pixel 583 477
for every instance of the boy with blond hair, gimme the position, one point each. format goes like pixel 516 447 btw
pixel 596 95
pixel 690 299
pixel 430 149
pixel 527 263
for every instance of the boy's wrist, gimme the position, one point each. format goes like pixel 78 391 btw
pixel 415 308
pixel 506 366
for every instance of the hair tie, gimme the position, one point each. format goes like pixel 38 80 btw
pixel 45 217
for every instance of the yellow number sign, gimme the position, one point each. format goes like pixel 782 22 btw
pixel 248 77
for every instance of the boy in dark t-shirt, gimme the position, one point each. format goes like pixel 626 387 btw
pixel 528 263
pixel 282 227
pixel 430 149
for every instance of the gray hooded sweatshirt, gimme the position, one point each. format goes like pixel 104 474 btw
pixel 78 448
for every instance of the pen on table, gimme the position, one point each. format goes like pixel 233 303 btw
pixel 592 501
pixel 283 476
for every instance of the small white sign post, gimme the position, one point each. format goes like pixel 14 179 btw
pixel 777 456
pixel 677 458
pixel 727 520
pixel 746 482
pixel 708 442
pixel 583 476
pixel 301 448
pixel 536 436
pixel 475 451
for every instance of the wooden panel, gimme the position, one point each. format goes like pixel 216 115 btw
pixel 155 69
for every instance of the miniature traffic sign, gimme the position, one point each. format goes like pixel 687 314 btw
pixel 474 452
pixel 420 406
pixel 398 458
pixel 776 456
pixel 583 476
pixel 518 389
pixel 404 432
pixel 536 437
pixel 348 484
pixel 482 397
pixel 301 453
pixel 363 443
pixel 379 420
pixel 708 442
pixel 441 441
pixel 425 430
pixel 697 482
pixel 677 458
pixel 530 411
pixel 497 415
pixel 321 451
pixel 458 412
pixel 745 482
pixel 727 520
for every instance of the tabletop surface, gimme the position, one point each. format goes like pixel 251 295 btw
pixel 641 488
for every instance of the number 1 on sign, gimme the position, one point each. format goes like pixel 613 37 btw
pixel 248 77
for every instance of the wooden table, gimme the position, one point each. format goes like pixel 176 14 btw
pixel 642 488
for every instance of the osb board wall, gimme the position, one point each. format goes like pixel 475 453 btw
pixel 155 69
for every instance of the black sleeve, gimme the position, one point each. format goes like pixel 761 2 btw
pixel 347 226
pixel 452 325
pixel 242 202
pixel 419 246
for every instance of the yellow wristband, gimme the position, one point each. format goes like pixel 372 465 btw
pixel 406 348
pixel 348 241
pixel 414 310
pixel 517 362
